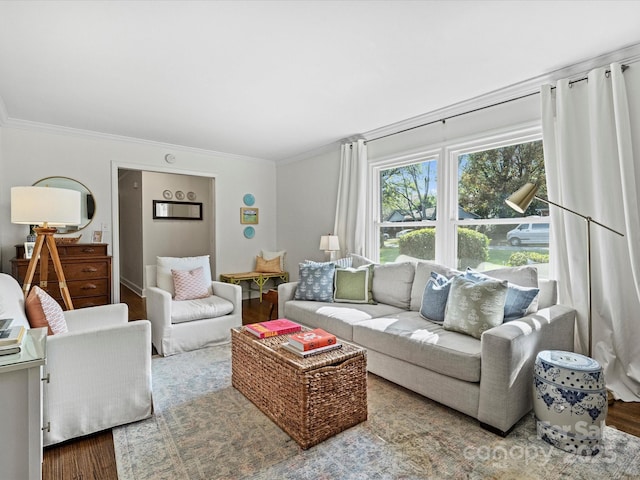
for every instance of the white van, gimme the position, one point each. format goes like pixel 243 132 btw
pixel 529 233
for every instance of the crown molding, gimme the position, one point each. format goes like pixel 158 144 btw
pixel 628 54
pixel 77 132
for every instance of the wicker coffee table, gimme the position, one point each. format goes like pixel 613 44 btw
pixel 310 398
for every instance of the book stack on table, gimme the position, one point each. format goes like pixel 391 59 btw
pixel 272 328
pixel 311 342
pixel 10 337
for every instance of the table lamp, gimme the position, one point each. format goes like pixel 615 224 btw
pixel 330 244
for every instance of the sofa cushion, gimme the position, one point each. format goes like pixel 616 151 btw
pixel 43 311
pixel 521 300
pixel 434 298
pixel 474 307
pixel 335 318
pixel 353 285
pixel 408 337
pixel 359 260
pixel 392 284
pixel 422 276
pixel 164 279
pixel 315 282
pixel 189 284
pixel 209 307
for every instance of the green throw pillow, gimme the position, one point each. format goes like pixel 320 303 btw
pixel 473 307
pixel 354 285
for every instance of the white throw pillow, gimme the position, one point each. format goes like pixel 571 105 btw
pixel 164 279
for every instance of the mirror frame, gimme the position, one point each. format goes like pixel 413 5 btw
pixel 196 208
pixel 87 203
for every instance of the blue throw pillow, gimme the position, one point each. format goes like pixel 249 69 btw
pixel 315 282
pixel 434 298
pixel 518 298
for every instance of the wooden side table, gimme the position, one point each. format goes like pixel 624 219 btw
pixel 271 296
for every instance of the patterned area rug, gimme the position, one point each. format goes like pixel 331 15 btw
pixel 203 428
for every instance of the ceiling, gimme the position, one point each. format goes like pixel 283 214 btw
pixel 275 79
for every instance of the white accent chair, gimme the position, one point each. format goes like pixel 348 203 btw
pixel 181 326
pixel 99 371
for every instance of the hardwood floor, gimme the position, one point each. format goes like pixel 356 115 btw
pixel 93 457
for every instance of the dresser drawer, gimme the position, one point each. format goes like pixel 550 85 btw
pixel 72 269
pixel 82 249
pixel 81 302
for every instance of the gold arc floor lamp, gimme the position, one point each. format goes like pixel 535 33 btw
pixel 521 200
pixel 46 207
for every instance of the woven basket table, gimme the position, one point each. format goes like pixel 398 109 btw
pixel 311 398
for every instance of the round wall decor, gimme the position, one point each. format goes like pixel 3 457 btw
pixel 249 232
pixel 167 195
pixel 249 200
pixel 191 196
pixel 180 195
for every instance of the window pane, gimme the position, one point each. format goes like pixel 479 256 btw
pixel 408 193
pixel 485 247
pixel 487 178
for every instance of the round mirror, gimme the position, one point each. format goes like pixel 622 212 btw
pixel 87 203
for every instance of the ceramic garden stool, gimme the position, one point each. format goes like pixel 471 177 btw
pixel 569 401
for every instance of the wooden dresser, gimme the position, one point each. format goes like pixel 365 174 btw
pixel 87 269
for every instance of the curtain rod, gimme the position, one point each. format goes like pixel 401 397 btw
pixel 443 120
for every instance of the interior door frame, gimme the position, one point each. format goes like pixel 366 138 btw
pixel 115 212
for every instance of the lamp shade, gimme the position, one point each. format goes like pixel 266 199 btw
pixel 521 199
pixel 40 205
pixel 329 243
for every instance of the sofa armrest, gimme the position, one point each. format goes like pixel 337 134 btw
pixel 91 318
pixel 98 379
pixel 508 353
pixel 286 292
pixel 231 292
pixel 158 303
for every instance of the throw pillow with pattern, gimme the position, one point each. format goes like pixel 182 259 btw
pixel 315 282
pixel 43 311
pixel 190 284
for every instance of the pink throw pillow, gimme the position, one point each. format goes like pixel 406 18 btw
pixel 43 311
pixel 189 284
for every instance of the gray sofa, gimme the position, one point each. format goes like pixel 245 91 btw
pixel 489 378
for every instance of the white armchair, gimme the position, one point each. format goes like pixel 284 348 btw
pixel 99 371
pixel 180 326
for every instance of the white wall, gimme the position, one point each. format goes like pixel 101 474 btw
pixel 28 155
pixel 306 193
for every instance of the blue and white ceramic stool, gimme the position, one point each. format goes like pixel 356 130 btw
pixel 569 401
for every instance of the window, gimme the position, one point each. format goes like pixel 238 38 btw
pixel 463 221
pixel 408 200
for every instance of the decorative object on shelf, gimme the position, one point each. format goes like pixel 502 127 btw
pixel 32 235
pixel 248 215
pixel 87 200
pixel 28 249
pixel 167 194
pixel 521 200
pixel 41 206
pixel 67 240
pixel 330 244
pixel 249 200
pixel 179 195
pixel 177 210
pixel 97 236
pixel 170 158
pixel 249 232
pixel 191 196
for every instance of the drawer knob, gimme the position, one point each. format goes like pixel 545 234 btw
pixel 89 286
pixel 90 269
pixel 88 250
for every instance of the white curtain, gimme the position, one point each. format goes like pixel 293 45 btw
pixel 591 169
pixel 351 205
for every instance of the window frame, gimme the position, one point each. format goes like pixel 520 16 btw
pixel 446 156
